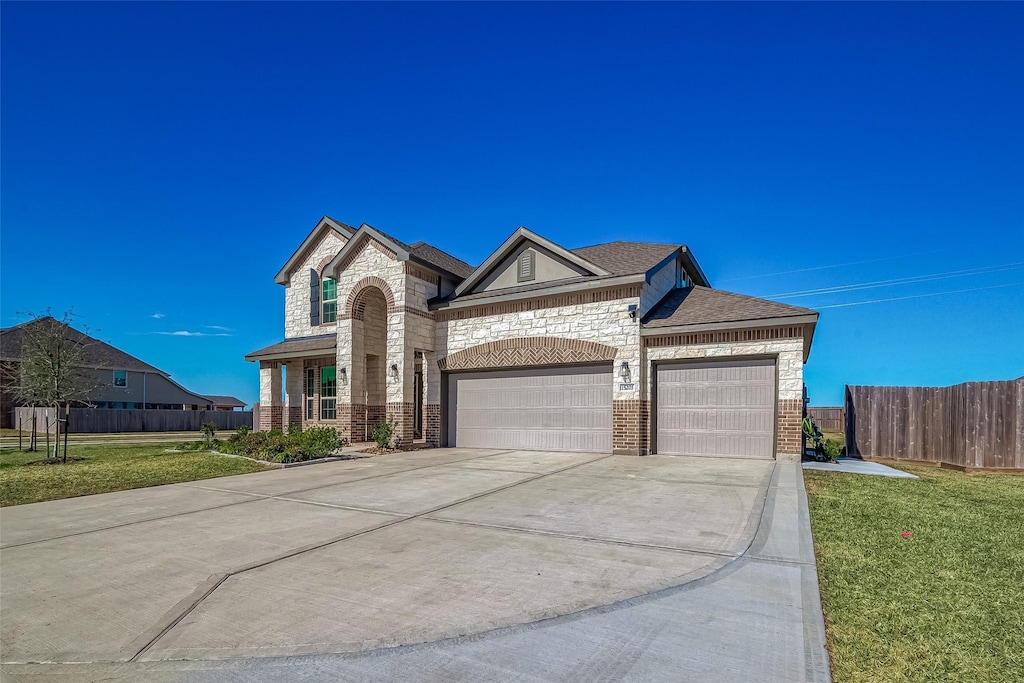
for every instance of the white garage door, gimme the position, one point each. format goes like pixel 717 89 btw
pixel 718 409
pixel 542 409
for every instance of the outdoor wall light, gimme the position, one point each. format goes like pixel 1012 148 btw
pixel 624 371
pixel 632 311
pixel 342 377
pixel 394 371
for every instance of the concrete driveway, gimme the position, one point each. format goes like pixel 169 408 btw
pixel 451 564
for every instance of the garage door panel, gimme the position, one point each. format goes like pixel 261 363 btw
pixel 722 408
pixel 556 409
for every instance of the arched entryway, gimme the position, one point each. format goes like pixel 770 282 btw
pixel 369 361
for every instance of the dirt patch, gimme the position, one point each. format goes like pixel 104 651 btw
pixel 54 461
pixel 373 450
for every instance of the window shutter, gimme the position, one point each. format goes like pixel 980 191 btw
pixel 314 298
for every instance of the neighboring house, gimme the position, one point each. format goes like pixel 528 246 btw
pixel 122 380
pixel 621 347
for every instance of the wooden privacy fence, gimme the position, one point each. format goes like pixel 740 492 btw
pixel 971 425
pixel 831 419
pixel 99 420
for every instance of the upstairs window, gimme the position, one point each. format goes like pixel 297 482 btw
pixel 527 269
pixel 330 301
pixel 328 393
pixel 121 378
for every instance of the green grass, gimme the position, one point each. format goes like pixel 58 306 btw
pixel 835 436
pixel 946 604
pixel 108 468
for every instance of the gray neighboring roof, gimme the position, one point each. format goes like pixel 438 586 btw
pixel 702 305
pixel 226 401
pixel 440 259
pixel 627 258
pixel 297 346
pixel 97 354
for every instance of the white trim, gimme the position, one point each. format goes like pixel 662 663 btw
pixel 283 276
pixel 540 292
pixel 520 235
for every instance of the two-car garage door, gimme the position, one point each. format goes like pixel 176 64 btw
pixel 543 409
pixel 704 408
pixel 716 408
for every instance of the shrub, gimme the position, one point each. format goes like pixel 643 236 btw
pixel 812 435
pixel 831 449
pixel 276 446
pixel 242 430
pixel 320 442
pixel 383 432
pixel 208 430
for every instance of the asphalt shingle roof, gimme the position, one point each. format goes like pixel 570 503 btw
pixel 321 342
pixel 96 354
pixel 626 258
pixel 433 256
pixel 699 305
pixel 226 401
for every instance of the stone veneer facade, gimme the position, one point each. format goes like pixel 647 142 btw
pixel 588 326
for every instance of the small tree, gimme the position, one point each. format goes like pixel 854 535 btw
pixel 52 369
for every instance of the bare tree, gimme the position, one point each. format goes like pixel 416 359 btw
pixel 52 368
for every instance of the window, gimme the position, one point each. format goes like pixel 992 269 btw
pixel 328 393
pixel 309 390
pixel 120 378
pixel 330 301
pixel 527 270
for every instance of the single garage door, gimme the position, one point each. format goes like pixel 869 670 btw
pixel 541 409
pixel 718 409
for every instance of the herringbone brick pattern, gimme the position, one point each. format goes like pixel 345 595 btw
pixel 525 351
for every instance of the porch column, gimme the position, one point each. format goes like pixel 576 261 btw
pixel 293 389
pixel 431 399
pixel 400 389
pixel 271 410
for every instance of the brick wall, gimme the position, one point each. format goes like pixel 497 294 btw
pixel 402 415
pixel 432 424
pixel 788 427
pixel 630 427
pixel 271 417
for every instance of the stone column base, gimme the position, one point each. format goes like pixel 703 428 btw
pixel 402 415
pixel 432 424
pixel 271 417
pixel 788 428
pixel 631 425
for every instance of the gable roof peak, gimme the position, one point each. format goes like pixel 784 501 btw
pixel 521 234
pixel 325 224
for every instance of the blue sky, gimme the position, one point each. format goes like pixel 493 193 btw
pixel 159 162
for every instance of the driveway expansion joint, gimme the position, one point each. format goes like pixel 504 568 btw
pixel 256 497
pixel 175 619
pixel 580 537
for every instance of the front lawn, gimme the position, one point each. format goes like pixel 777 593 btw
pixel 944 604
pixel 108 468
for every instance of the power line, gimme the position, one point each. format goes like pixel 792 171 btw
pixel 897 281
pixel 919 296
pixel 833 265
